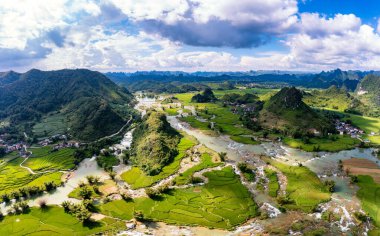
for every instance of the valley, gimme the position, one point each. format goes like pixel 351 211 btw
pixel 214 172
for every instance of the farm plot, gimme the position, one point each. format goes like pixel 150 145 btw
pixel 54 221
pixel 304 188
pixel 45 159
pixel 13 177
pixel 221 203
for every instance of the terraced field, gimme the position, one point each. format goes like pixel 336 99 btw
pixel 136 178
pixel 44 159
pixel 221 203
pixel 54 221
pixel 206 162
pixel 13 177
pixel 304 187
pixel 324 144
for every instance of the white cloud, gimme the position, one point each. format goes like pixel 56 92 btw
pixel 243 23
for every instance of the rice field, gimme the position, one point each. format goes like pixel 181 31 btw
pixel 221 203
pixel 304 187
pixel 54 221
pixel 45 159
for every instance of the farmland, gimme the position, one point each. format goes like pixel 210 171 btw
pixel 222 203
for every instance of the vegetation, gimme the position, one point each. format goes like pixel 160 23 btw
pixel 13 177
pixel 107 161
pixel 221 203
pixel 154 143
pixel 273 185
pixel 47 159
pixel 187 176
pixel 287 112
pixel 247 171
pixel 206 96
pixel 54 221
pixel 369 196
pixel 304 190
pixel 333 143
pixel 87 103
pixel 139 179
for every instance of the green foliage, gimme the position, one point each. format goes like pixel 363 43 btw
pixel 287 112
pixel 89 105
pixel 247 171
pixel 206 96
pixel 139 179
pixel 107 162
pixel 154 143
pixel 236 98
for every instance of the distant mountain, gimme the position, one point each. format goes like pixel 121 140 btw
pixel 286 110
pixel 86 103
pixel 168 81
pixel 338 78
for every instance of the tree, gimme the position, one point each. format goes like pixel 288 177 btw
pixel 222 156
pixel 2 151
pixel 85 192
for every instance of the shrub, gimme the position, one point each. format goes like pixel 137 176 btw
pixel 50 186
pixel 42 203
pixel 138 215
pixel 5 198
pixel 330 184
pixel 152 192
pixel 85 192
pixel 126 197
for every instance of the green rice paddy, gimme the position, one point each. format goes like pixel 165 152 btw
pixel 54 221
pixel 221 203
pixel 304 187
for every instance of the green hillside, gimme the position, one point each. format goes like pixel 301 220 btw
pixel 87 104
pixel 286 110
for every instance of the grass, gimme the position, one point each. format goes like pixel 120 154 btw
pixel 369 195
pixel 304 187
pixel 244 140
pixel 221 203
pixel 171 111
pixel 273 185
pixel 323 144
pixel 44 159
pixel 13 177
pixel 206 162
pixel 136 178
pixel 54 221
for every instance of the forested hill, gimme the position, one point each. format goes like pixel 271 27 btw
pixel 173 82
pixel 89 104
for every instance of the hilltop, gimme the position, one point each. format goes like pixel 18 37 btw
pixel 82 103
pixel 286 111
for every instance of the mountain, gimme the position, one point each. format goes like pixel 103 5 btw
pixel 154 143
pixel 86 104
pixel 286 111
pixel 338 78
pixel 167 81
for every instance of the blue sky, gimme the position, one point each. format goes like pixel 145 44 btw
pixel 190 35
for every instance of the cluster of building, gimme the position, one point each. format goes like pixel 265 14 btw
pixel 66 145
pixel 52 139
pixel 19 147
pixel 345 128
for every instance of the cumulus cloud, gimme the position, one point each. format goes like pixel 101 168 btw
pixel 239 24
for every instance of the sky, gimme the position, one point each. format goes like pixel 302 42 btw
pixel 190 35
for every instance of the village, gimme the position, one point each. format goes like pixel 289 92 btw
pixel 60 141
pixel 346 128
